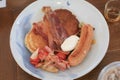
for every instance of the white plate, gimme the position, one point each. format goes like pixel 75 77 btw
pixel 85 12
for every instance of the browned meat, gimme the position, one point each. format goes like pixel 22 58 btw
pixel 83 46
pixel 38 29
pixel 68 20
pixel 55 27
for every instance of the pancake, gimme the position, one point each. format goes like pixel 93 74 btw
pixel 33 41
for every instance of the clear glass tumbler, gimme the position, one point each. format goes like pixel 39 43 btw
pixel 112 10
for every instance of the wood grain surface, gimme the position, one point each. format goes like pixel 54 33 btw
pixel 9 70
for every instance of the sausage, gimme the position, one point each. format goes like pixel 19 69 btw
pixel 83 46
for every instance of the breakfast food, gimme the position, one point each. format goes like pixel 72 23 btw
pixel 54 41
pixel 68 20
pixel 83 46
pixel 69 43
pixel 33 39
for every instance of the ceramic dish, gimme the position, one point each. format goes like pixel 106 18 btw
pixel 110 72
pixel 85 12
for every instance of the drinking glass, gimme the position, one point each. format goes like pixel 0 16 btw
pixel 112 10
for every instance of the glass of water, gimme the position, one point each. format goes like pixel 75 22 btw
pixel 112 10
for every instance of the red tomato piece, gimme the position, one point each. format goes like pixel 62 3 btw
pixel 61 55
pixel 42 54
pixel 34 61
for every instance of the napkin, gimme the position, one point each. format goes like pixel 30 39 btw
pixel 2 3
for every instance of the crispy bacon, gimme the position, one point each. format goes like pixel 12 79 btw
pixel 58 33
pixel 46 57
pixel 38 30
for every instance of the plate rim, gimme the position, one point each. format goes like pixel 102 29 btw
pixel 34 75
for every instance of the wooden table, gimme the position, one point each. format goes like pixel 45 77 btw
pixel 9 70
